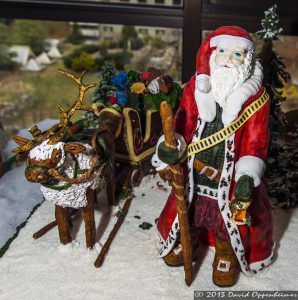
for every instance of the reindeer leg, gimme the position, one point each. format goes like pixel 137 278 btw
pixel 61 215
pixel 88 216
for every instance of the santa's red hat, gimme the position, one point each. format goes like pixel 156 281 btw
pixel 223 36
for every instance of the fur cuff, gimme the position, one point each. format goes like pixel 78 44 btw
pixel 251 166
pixel 157 163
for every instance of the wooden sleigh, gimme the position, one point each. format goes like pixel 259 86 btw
pixel 135 142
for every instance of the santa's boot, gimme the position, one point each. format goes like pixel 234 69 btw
pixel 225 264
pixel 175 257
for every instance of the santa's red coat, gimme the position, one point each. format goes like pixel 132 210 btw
pixel 250 140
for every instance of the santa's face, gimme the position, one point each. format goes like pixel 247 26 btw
pixel 229 68
pixel 233 54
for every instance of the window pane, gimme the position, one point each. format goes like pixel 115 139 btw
pixel 32 51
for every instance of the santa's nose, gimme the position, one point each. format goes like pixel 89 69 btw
pixel 227 58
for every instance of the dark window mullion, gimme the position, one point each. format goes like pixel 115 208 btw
pixel 192 32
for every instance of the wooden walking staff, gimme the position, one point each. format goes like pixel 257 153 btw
pixel 178 186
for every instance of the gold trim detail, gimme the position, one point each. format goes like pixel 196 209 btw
pixel 129 134
pixel 135 158
pixel 148 124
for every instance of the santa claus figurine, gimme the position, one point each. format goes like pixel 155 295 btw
pixel 221 128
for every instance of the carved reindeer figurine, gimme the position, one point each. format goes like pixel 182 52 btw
pixel 69 173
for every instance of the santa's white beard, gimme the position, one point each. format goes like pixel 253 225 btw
pixel 227 77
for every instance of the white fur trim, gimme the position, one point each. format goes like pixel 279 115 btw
pixel 206 191
pixel 251 166
pixel 170 242
pixel 206 105
pixel 231 40
pixel 260 266
pixel 203 83
pixel 223 204
pixel 238 97
pixel 157 163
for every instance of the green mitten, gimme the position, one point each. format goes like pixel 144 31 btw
pixel 166 154
pixel 243 189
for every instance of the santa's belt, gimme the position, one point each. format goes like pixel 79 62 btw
pixel 227 131
pixel 212 173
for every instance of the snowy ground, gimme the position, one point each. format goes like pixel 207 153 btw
pixel 17 198
pixel 44 269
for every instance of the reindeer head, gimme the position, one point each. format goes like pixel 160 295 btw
pixel 46 150
pixel 45 157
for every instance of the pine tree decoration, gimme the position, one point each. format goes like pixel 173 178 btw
pixel 271 29
pixel 281 177
pixel 103 90
pixel 105 87
pixel 275 74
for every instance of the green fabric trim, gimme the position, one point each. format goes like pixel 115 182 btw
pixel 214 156
pixel 66 185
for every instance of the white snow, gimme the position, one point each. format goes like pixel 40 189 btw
pixel 17 198
pixel 44 151
pixel 45 269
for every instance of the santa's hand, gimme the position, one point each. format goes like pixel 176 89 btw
pixel 244 188
pixel 166 154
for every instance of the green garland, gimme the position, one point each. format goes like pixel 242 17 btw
pixel 66 185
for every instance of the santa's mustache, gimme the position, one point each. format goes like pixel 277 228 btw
pixel 230 65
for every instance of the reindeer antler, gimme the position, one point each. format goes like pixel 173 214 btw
pixel 78 105
pixel 56 132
